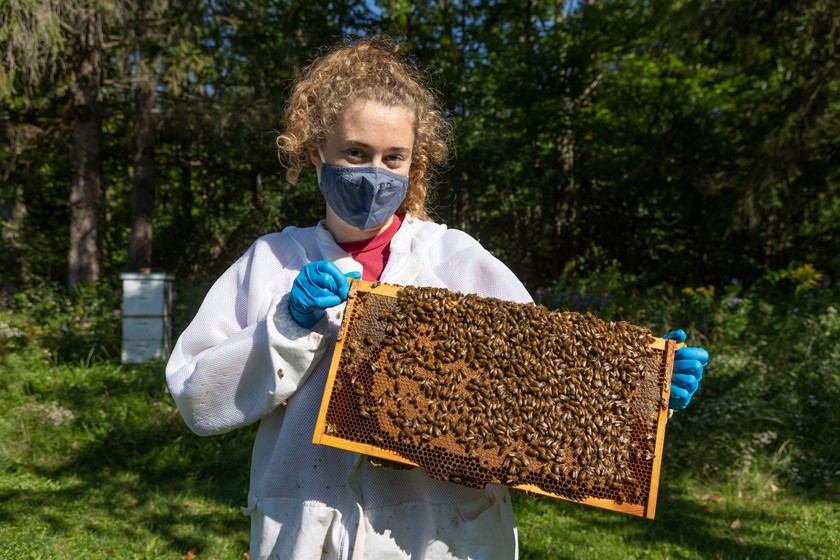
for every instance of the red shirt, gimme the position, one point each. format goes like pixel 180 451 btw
pixel 373 253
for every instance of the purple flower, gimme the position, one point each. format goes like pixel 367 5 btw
pixel 116 313
pixel 734 301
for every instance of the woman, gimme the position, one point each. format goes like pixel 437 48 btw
pixel 260 346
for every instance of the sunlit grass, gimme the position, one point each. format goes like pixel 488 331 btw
pixel 693 520
pixel 100 465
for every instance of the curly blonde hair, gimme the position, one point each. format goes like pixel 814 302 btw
pixel 367 70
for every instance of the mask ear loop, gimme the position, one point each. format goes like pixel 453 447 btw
pixel 318 169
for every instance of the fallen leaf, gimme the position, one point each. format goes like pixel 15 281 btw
pixel 735 524
pixel 714 499
pixel 707 509
pixel 773 488
pixel 739 540
pixel 190 555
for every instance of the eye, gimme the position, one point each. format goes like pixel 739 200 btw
pixel 354 154
pixel 395 160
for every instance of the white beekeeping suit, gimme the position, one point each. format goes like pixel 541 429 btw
pixel 243 357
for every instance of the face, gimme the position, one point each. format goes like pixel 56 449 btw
pixel 368 134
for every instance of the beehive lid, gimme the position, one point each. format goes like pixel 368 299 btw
pixel 479 390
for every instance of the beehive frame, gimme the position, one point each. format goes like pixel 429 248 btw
pixel 378 397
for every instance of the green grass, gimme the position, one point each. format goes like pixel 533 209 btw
pixel 95 461
pixel 693 520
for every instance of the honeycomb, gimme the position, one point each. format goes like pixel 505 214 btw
pixel 480 390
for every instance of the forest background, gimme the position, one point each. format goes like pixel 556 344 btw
pixel 669 162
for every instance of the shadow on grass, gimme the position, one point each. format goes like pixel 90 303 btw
pixel 127 469
pixel 684 527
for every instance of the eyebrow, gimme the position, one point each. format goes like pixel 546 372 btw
pixel 367 146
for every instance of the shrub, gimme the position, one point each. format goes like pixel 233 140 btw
pixel 767 403
pixel 68 329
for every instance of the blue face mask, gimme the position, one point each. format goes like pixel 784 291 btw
pixel 364 197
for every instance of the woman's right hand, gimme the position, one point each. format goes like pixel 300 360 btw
pixel 319 285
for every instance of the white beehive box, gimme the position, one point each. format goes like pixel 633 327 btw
pixel 147 316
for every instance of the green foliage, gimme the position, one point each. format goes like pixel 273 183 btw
pixel 804 278
pixel 767 403
pixel 30 43
pixel 685 142
pixel 45 320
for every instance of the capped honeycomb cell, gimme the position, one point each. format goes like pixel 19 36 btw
pixel 479 390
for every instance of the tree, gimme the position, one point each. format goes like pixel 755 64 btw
pixel 30 46
pixel 86 193
pixel 621 135
pixel 42 37
pixel 145 47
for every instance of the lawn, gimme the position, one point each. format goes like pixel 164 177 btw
pixel 96 463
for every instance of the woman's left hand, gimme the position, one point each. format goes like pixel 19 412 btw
pixel 688 371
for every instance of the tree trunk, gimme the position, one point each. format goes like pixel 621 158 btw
pixel 143 192
pixel 12 212
pixel 186 220
pixel 86 191
pixel 564 201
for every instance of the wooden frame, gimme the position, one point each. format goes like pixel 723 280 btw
pixel 325 434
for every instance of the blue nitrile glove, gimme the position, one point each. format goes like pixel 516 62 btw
pixel 688 371
pixel 319 285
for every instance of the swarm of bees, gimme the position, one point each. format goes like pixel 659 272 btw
pixel 480 390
